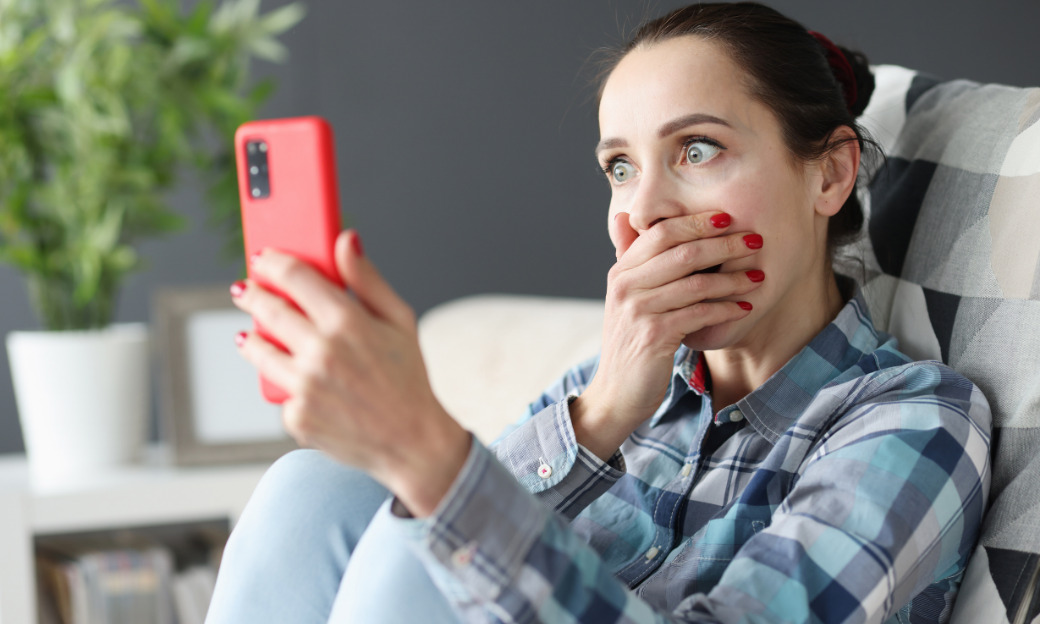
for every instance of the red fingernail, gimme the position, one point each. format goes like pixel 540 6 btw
pixel 755 275
pixel 253 258
pixel 359 249
pixel 238 288
pixel 753 241
pixel 240 339
pixel 744 305
pixel 720 220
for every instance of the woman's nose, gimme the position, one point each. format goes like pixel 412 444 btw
pixel 656 199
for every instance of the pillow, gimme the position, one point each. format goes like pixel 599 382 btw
pixel 950 262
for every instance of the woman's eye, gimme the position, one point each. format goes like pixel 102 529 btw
pixel 621 171
pixel 701 151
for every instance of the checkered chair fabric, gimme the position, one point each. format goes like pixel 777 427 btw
pixel 950 263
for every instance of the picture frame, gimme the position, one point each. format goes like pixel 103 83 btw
pixel 210 407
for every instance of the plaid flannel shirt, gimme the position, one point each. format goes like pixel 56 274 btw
pixel 847 488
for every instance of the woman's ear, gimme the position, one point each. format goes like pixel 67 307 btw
pixel 839 169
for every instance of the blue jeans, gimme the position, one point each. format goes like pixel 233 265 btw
pixel 306 549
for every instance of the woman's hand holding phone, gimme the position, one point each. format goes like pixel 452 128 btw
pixel 660 290
pixel 358 388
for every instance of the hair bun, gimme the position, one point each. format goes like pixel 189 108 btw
pixel 864 80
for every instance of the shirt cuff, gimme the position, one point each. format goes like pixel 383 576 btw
pixel 544 456
pixel 475 542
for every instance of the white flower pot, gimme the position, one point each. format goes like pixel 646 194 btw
pixel 82 399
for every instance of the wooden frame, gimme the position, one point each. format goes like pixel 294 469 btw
pixel 211 411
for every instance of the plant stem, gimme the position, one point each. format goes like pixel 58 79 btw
pixel 52 296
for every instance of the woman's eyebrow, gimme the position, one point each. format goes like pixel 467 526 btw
pixel 690 120
pixel 667 129
pixel 606 144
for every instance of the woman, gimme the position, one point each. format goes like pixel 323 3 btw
pixel 746 446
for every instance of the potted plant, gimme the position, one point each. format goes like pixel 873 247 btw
pixel 104 103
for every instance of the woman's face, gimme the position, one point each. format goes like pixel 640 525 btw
pixel 680 135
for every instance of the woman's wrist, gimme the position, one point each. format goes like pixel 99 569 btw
pixel 423 475
pixel 594 428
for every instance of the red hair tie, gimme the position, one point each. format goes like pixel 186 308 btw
pixel 841 68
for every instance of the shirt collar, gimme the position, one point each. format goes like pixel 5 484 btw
pixel 688 374
pixel 776 404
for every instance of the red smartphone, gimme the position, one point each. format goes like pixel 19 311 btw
pixel 290 199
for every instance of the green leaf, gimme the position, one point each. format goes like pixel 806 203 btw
pixel 282 19
pixel 188 49
pixel 160 16
pixel 87 273
pixel 22 256
pixel 122 259
pixel 261 91
pixel 268 49
pixel 233 13
pixel 199 18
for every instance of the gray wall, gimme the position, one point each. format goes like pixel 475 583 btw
pixel 465 134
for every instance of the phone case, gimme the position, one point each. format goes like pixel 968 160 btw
pixel 290 200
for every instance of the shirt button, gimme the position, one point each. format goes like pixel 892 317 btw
pixel 545 471
pixel 686 470
pixel 736 416
pixel 650 554
pixel 464 556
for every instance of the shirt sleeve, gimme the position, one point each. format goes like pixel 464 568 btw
pixel 887 504
pixel 494 550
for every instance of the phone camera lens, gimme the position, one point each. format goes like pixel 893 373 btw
pixel 256 161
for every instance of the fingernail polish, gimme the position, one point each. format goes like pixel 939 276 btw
pixel 744 305
pixel 753 241
pixel 721 220
pixel 755 275
pixel 238 288
pixel 253 258
pixel 240 339
pixel 359 249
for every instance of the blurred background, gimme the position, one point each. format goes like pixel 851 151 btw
pixel 464 136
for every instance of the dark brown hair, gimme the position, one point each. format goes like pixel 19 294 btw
pixel 788 71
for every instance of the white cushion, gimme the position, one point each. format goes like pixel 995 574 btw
pixel 489 356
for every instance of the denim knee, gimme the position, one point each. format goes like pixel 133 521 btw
pixel 288 552
pixel 309 485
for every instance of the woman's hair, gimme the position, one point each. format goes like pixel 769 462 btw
pixel 790 72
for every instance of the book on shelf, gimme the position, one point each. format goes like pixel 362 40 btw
pixel 91 580
pixel 114 586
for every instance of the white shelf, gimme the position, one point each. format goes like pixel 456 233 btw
pixel 151 493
